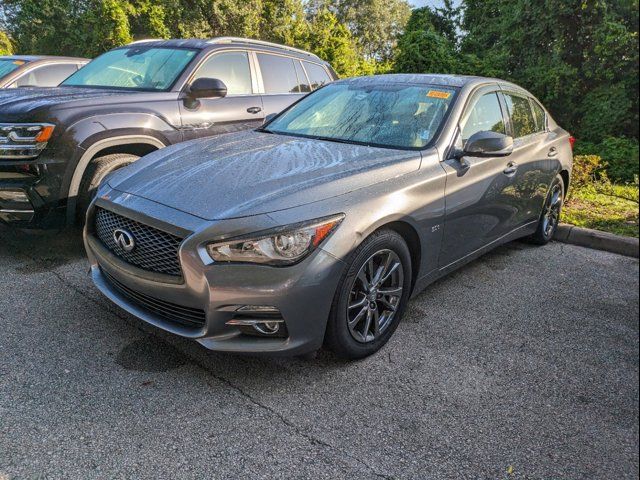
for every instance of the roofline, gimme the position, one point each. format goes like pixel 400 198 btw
pixel 251 41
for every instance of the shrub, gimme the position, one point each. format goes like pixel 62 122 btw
pixel 619 156
pixel 587 170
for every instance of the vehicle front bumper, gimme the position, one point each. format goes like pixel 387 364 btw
pixel 302 293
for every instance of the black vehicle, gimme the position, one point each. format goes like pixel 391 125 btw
pixel 57 144
pixel 37 70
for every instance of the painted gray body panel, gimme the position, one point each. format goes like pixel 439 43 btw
pixel 250 173
pixel 238 184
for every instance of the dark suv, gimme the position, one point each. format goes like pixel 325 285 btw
pixel 57 144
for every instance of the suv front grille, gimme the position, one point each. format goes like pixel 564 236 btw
pixel 186 316
pixel 154 250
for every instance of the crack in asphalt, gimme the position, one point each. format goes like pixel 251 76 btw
pixel 310 438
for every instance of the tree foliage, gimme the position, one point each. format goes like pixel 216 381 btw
pixel 6 48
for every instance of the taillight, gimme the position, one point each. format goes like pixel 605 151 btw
pixel 572 141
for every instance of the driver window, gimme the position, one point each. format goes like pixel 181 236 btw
pixel 486 115
pixel 230 67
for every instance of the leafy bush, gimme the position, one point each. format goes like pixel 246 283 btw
pixel 619 156
pixel 5 44
pixel 586 170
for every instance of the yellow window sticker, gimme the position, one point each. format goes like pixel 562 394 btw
pixel 18 62
pixel 438 94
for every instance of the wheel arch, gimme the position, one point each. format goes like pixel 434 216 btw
pixel 133 144
pixel 412 239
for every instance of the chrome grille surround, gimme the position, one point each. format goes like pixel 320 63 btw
pixel 155 250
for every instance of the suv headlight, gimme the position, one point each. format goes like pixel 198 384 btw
pixel 19 141
pixel 281 246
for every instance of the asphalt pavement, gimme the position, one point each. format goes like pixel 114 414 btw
pixel 522 365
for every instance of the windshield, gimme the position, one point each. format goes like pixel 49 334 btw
pixel 8 65
pixel 136 68
pixel 392 115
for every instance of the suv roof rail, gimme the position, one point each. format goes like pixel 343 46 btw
pixel 146 40
pixel 251 41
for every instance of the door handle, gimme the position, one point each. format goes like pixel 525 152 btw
pixel 553 151
pixel 254 110
pixel 512 167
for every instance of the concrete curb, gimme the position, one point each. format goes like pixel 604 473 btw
pixel 597 240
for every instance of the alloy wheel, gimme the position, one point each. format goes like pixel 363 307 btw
pixel 375 296
pixel 551 215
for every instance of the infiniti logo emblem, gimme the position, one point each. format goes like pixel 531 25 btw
pixel 124 239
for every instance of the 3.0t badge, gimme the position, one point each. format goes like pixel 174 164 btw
pixel 124 239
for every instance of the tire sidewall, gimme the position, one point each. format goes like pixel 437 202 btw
pixel 556 180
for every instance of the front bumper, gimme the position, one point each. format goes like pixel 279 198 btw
pixel 40 181
pixel 303 293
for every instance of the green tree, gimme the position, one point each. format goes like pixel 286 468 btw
pixel 375 24
pixel 332 41
pixel 6 48
pixel 427 44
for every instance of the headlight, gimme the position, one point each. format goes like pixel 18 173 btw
pixel 281 246
pixel 19 141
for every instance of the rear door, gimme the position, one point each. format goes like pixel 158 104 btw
pixel 241 109
pixel 534 158
pixel 283 81
pixel 479 208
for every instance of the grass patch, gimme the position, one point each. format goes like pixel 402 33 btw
pixel 610 208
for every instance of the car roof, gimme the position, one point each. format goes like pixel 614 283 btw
pixel 222 42
pixel 38 58
pixel 457 81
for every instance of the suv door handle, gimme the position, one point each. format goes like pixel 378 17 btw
pixel 553 151
pixel 512 167
pixel 254 110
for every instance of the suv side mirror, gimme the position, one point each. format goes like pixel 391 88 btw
pixel 207 88
pixel 488 144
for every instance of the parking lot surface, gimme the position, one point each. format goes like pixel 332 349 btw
pixel 524 364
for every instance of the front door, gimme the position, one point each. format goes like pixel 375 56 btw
pixel 241 109
pixel 478 197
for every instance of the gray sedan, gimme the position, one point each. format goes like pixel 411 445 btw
pixel 318 227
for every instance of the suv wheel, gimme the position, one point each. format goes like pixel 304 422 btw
pixel 95 173
pixel 371 296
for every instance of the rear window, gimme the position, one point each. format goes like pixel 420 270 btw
pixel 522 120
pixel 539 116
pixel 318 76
pixel 278 74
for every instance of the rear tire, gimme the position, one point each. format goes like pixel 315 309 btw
pixel 550 216
pixel 95 173
pixel 371 296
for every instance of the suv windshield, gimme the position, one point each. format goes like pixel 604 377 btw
pixel 135 68
pixel 8 65
pixel 392 115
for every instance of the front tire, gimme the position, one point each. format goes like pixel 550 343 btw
pixel 371 296
pixel 550 216
pixel 96 171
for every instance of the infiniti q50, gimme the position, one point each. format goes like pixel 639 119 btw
pixel 317 228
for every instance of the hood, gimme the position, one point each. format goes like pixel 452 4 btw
pixel 251 173
pixel 16 103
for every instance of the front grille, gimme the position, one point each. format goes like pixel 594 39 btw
pixel 185 316
pixel 154 250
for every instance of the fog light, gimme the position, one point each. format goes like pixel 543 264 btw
pixel 261 320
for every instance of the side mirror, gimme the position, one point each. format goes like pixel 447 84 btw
pixel 207 88
pixel 488 144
